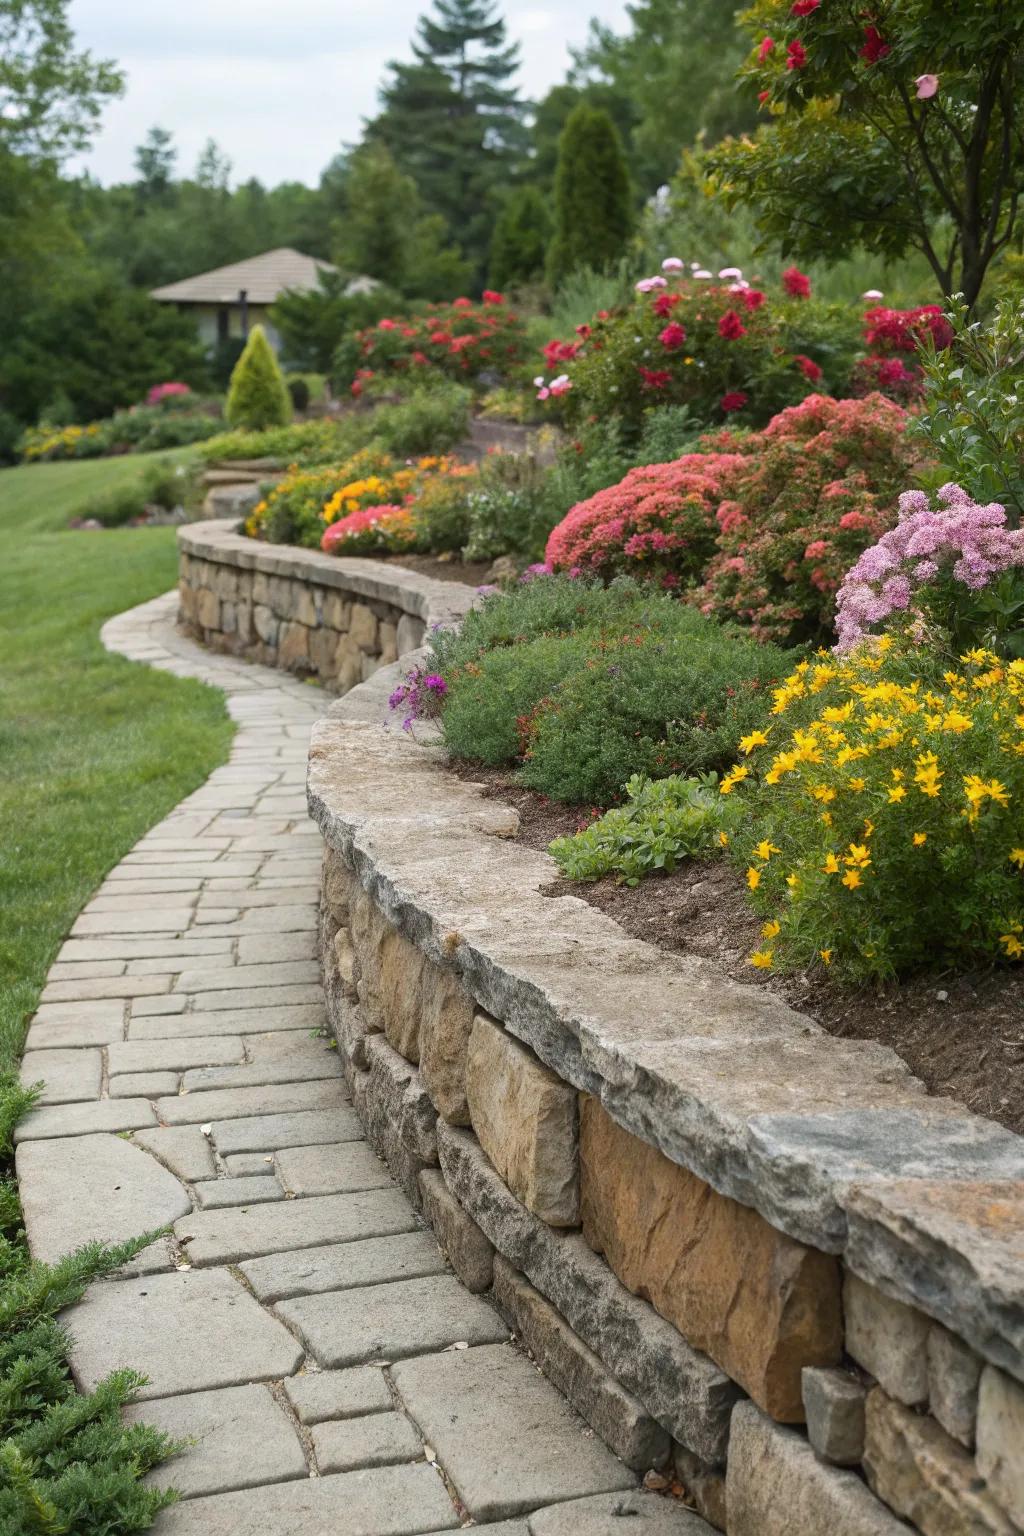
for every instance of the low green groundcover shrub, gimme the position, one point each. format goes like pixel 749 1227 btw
pixel 143 429
pixel 581 688
pixel 663 822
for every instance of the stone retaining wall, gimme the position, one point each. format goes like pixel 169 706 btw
pixel 312 614
pixel 745 1250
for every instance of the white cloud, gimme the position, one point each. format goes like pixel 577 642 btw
pixel 280 86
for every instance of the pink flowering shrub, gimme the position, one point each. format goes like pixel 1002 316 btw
pixel 761 526
pixel 717 345
pixel 658 522
pixel 461 339
pixel 162 392
pixel 932 568
pixel 369 530
pixel 817 486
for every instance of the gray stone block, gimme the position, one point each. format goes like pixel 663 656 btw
pixel 92 1188
pixel 386 1501
pixel 228 1021
pixel 239 1164
pixel 776 1486
pixel 237 1437
pixel 390 1321
pixel 460 1239
pixel 834 1404
pixel 272 1133
pixel 637 1513
pixel 381 1440
pixel 618 1417
pixel 954 1371
pixel 704 1485
pixel 55 1120
pixel 229 1236
pixel 187 1331
pixel 67 1076
pixel 889 1339
pixel 407 1255
pixel 681 1388
pixel 320 1395
pixel 252 1189
pixel 331 1169
pixel 225 1103
pixel 143 1085
pixel 174 1055
pixel 507 1440
pixel 183 1149
pixel 1001 1440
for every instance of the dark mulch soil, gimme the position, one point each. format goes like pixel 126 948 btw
pixel 962 1035
pixel 470 574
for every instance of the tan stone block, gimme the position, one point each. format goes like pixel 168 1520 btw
pixel 1001 1439
pixel 387 639
pixel 207 609
pixel 388 973
pixel 363 627
pixel 339 886
pixel 186 602
pixel 303 603
pixel 225 582
pixel 888 1338
pixel 446 1018
pixel 526 1121
pixel 344 958
pixel 293 646
pixel 924 1475
pixel 243 622
pixel 762 1305
pixel 323 645
pixel 261 589
pixel 281 596
pixel 337 611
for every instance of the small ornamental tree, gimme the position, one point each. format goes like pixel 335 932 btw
pixel 894 126
pixel 257 395
pixel 520 239
pixel 593 199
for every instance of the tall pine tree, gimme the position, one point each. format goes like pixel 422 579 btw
pixel 593 198
pixel 453 120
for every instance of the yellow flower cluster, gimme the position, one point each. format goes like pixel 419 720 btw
pixel 893 799
pixel 57 442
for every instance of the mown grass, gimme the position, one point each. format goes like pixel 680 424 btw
pixel 94 751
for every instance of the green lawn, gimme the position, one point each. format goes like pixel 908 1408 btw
pixel 93 751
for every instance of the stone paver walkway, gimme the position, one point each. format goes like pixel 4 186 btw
pixel 300 1326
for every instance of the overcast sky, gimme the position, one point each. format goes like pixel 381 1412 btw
pixel 280 84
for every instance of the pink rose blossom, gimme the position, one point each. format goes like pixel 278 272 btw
pixel 927 86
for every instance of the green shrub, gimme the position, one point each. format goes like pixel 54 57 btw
pixel 428 421
pixel 257 396
pixel 301 442
pixel 581 688
pixel 442 513
pixel 667 433
pixel 520 238
pixel 510 508
pixel 170 485
pixel 117 506
pixel 663 822
pixel 593 197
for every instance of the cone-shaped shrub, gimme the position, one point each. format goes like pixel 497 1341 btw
pixel 593 200
pixel 257 395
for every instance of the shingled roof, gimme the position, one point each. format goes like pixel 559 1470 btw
pixel 263 278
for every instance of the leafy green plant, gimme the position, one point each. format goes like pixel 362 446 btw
pixel 972 413
pixel 663 822
pixel 427 421
pixel 593 197
pixel 509 508
pixel 257 394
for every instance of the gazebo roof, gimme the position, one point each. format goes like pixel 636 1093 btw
pixel 263 278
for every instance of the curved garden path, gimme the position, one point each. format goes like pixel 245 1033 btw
pixel 189 1084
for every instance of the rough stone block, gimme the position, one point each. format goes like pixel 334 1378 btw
pixel 303 604
pixel 387 640
pixel 446 1019
pixel 331 1170
pixel 229 1236
pixel 293 647
pixel 409 633
pixel 222 1430
pixel 508 1441
pixel 304 1128
pixel 337 610
pixel 181 1148
pixel 759 1303
pixel 385 1501
pixel 834 1404
pixel 954 1371
pixel 265 624
pixel 58 1120
pixel 776 1486
pixel 526 1121
pixel 680 1387
pixel 68 1076
pixel 339 886
pixel 320 1395
pixel 888 1338
pixel 623 1423
pixel 398 1115
pixel 1001 1440
pixel 207 609
pixel 381 1440
pixel 187 1331
pixel 362 627
pixel 323 646
pixel 254 1189
pixel 604 1514
pixel 459 1238
pixel 924 1475
pixel 81 1189
pixel 391 1321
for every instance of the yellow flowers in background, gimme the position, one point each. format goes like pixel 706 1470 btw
pixel 919 858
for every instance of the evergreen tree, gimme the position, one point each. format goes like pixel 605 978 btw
pixel 593 200
pixel 155 158
pixel 452 119
pixel 520 239
pixel 257 395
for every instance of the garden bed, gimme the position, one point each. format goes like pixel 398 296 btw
pixel 962 1035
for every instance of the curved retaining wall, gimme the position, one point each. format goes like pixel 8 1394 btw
pixel 335 620
pixel 735 1242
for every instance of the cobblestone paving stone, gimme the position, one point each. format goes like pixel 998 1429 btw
pixel 189 977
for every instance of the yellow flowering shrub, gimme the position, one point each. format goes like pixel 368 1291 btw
pixel 886 826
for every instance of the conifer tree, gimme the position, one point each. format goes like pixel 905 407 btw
pixel 520 239
pixel 257 395
pixel 593 199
